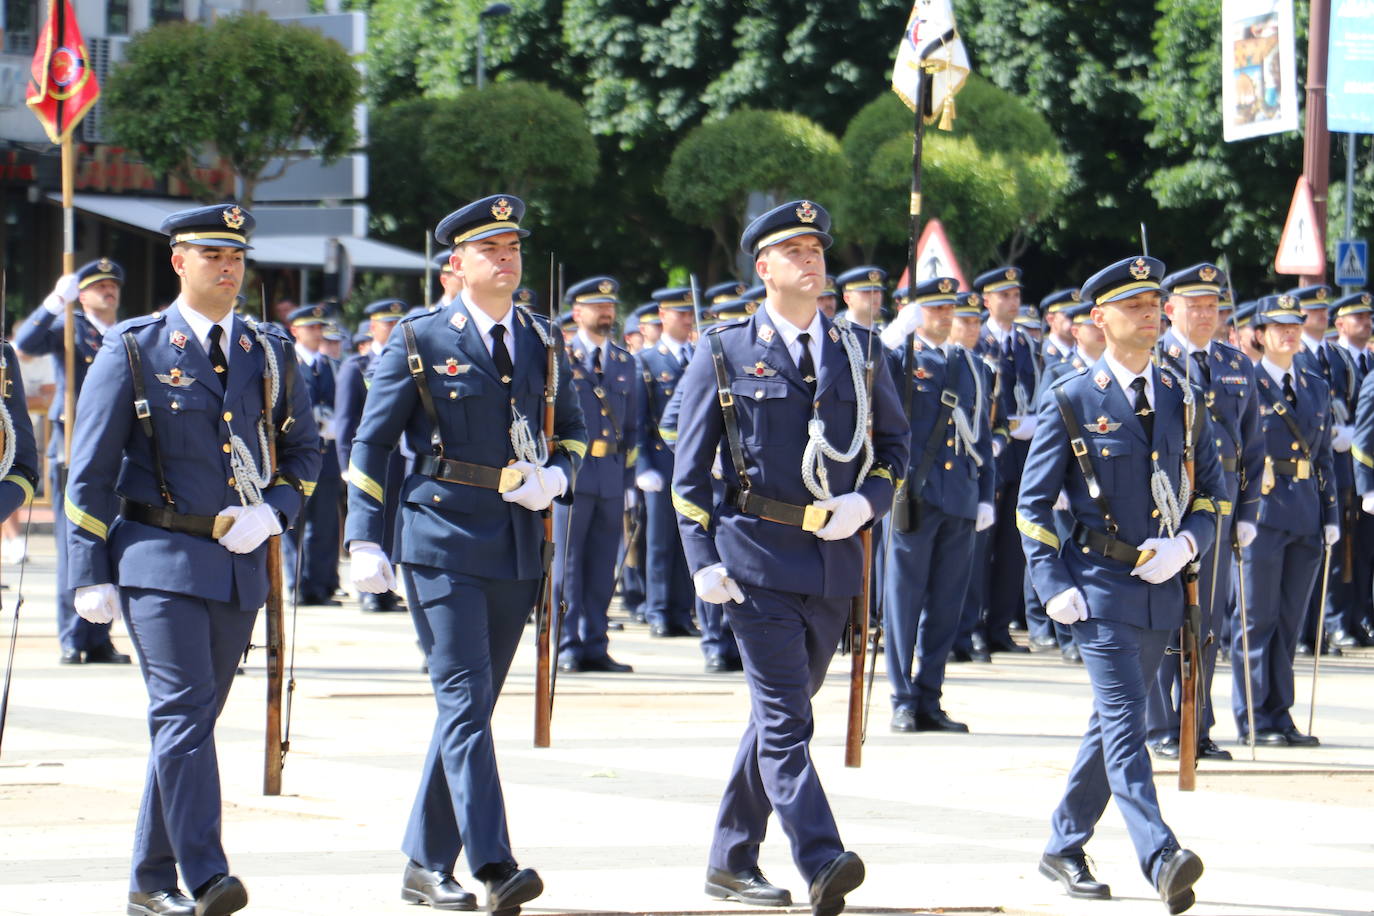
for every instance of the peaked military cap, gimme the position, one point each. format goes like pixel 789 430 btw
pixel 1059 301
pixel 1353 304
pixel 1199 280
pixel 363 334
pixel 936 291
pixel 677 298
pixel 565 319
pixel 525 296
pixel 306 315
pixel 94 272
pixel 333 332
pixel 861 279
pixel 648 314
pixel 968 305
pixel 1127 277
pixel 1283 309
pixel 631 325
pixel 755 293
pixel 1080 312
pixel 218 226
pixel 998 279
pixel 723 292
pixel 797 218
pixel 1244 313
pixel 832 287
pixel 1026 317
pixel 442 263
pixel 482 219
pixel 1312 297
pixel 386 309
pixel 593 290
pixel 734 309
pixel 901 295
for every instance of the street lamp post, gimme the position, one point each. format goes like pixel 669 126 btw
pixel 493 11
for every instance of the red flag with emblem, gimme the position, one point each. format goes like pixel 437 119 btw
pixel 62 87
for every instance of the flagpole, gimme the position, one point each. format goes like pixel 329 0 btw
pixel 922 80
pixel 69 326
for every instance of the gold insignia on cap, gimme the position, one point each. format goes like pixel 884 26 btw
pixel 750 308
pixel 1010 274
pixel 806 213
pixel 1207 274
pixel 975 299
pixel 874 277
pixel 1287 302
pixel 502 209
pixel 105 265
pixel 1075 297
pixel 1364 300
pixel 1140 269
pixel 1321 294
pixel 606 286
pixel 739 289
pixel 946 285
pixel 233 218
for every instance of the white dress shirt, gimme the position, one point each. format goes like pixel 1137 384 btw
pixel 1124 377
pixel 1277 374
pixel 200 327
pixel 485 323
pixel 790 332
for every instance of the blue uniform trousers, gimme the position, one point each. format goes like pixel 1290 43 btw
pixel 1161 707
pixel 1346 602
pixel 73 633
pixel 318 528
pixel 1121 661
pixel 971 607
pixel 669 584
pixel 717 638
pixel 469 628
pixel 188 650
pixel 1006 563
pixel 1280 570
pixel 786 642
pixel 584 571
pixel 922 605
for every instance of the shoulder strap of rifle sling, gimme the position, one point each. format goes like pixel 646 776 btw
pixel 144 412
pixel 1079 447
pixel 727 411
pixel 416 366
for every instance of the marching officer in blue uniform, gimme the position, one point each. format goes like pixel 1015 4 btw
pixel 780 552
pixel 465 386
pixel 1058 308
pixel 946 498
pixel 862 290
pixel 1321 354
pixel 350 394
pixel 829 300
pixel 96 287
pixel 1353 319
pixel 589 530
pixel 314 574
pixel 19 477
pixel 1297 517
pixel 668 606
pixel 1225 380
pixel 171 502
pixel 450 284
pixel 1102 436
pixel 1013 424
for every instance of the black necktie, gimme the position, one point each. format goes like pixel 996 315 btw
pixel 1204 371
pixel 684 355
pixel 500 355
pixel 804 363
pixel 1289 394
pixel 1006 346
pixel 217 360
pixel 1364 362
pixel 596 362
pixel 1325 362
pixel 1142 408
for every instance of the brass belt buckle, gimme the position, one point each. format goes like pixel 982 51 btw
pixel 222 525
pixel 511 479
pixel 1145 557
pixel 600 448
pixel 814 518
pixel 1013 425
pixel 1304 469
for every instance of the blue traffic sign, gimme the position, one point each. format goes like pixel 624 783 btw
pixel 1352 263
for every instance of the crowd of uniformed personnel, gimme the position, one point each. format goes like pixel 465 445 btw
pixel 1053 470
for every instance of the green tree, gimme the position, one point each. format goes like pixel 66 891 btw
pixel 718 164
pixel 244 88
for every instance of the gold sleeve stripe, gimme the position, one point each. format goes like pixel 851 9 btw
pixel 363 482
pixel 308 488
pixel 1001 431
pixel 668 435
pixel 22 484
pixel 1226 507
pixel 1204 504
pixel 573 447
pixel 691 510
pixel 633 455
pixel 1362 456
pixel 1036 532
pixel 883 473
pixel 81 520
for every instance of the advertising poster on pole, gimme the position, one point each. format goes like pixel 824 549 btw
pixel 1350 68
pixel 1259 86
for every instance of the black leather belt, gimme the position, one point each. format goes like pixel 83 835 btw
pixel 206 526
pixel 808 518
pixel 502 480
pixel 1299 468
pixel 1105 544
pixel 1229 465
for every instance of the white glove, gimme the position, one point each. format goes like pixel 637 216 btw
pixel 1068 607
pixel 1171 555
pixel 1245 533
pixel 1025 427
pixel 541 487
pixel 369 569
pixel 907 321
pixel 1341 437
pixel 714 585
pixel 66 290
pixel 847 515
pixel 252 526
pixel 650 482
pixel 998 445
pixel 97 603
pixel 986 516
pixel 1331 534
pixel 1062 503
pixel 1367 503
pixel 717 470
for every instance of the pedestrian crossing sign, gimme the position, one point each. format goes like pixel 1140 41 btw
pixel 1352 263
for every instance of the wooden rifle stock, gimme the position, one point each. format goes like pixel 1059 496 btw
pixel 544 610
pixel 1189 642
pixel 858 628
pixel 275 754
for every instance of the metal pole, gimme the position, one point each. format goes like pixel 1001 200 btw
pixel 1349 196
pixel 481 63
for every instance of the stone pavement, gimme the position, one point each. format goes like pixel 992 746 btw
pixel 617 814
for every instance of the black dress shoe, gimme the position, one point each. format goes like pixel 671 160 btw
pixel 978 654
pixel 508 886
pixel 1179 870
pixel 748 886
pixel 686 629
pixel 1207 749
pixel 1043 643
pixel 716 664
pixel 1166 748
pixel 903 719
pixel 1070 655
pixel 1343 639
pixel 615 626
pixel 828 889
pixel 106 655
pixel 937 721
pixel 166 902
pixel 960 656
pixel 371 604
pixel 70 657
pixel 570 666
pixel 660 631
pixel 1296 738
pixel 1331 649
pixel 436 889
pixel 221 895
pixel 1007 644
pixel 1304 649
pixel 1270 737
pixel 605 664
pixel 1364 633
pixel 977 642
pixel 1073 873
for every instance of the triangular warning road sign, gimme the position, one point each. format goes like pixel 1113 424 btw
pixel 1300 246
pixel 935 256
